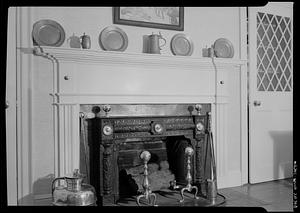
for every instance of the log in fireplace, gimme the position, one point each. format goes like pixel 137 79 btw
pixel 118 133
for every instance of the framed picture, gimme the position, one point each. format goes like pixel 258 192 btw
pixel 171 18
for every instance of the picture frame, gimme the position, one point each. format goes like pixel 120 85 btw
pixel 170 18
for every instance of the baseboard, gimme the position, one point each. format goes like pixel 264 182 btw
pixel 42 196
pixel 231 179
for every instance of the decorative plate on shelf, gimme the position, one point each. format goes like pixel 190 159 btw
pixel 223 48
pixel 48 33
pixel 113 38
pixel 181 44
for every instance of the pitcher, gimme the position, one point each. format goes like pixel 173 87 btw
pixel 154 43
pixel 75 193
pixel 74 41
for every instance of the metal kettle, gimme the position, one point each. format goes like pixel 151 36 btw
pixel 154 43
pixel 74 193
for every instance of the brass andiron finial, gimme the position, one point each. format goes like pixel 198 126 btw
pixel 198 107
pixel 189 152
pixel 106 109
pixel 145 156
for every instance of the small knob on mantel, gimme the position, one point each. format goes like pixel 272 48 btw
pixel 66 77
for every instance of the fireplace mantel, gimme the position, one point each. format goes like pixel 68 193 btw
pixel 125 76
pixel 121 58
pixel 105 77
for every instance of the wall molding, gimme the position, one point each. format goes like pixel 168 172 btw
pixel 230 179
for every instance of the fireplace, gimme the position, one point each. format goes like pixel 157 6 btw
pixel 118 133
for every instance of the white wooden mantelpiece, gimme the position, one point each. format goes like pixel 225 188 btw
pixel 108 57
pixel 106 77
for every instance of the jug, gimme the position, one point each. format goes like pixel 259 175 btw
pixel 85 41
pixel 153 43
pixel 74 41
pixel 75 193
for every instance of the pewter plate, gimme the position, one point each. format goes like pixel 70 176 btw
pixel 181 45
pixel 223 48
pixel 113 39
pixel 48 33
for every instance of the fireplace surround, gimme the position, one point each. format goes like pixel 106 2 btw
pixel 119 132
pixel 83 77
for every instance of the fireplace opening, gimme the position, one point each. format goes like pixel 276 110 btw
pixel 117 134
pixel 167 163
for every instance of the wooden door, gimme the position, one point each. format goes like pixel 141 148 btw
pixel 270 92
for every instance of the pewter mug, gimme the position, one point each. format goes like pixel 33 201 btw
pixel 85 41
pixel 74 41
pixel 153 43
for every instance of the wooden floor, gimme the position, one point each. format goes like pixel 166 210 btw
pixel 273 196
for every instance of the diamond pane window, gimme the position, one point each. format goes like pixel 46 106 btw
pixel 287 53
pixel 275 82
pixel 270 32
pixel 270 52
pixel 279 88
pixel 274 24
pixel 274 42
pixel 278 53
pixel 260 31
pixel 287 35
pixel 278 34
pixel 274 62
pixel 283 82
pixel 258 62
pixel 287 73
pixel 289 45
pixel 261 52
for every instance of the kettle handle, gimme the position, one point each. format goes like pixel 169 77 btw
pixel 160 36
pixel 82 36
pixel 54 181
pixel 163 43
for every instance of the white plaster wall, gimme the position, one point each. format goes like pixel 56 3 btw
pixel 203 24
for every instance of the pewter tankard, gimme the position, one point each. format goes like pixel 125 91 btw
pixel 154 43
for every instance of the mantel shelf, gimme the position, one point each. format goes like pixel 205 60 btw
pixel 113 57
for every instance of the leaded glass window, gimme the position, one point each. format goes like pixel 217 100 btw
pixel 274 52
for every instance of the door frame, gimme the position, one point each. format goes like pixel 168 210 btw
pixel 244 93
pixel 11 110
